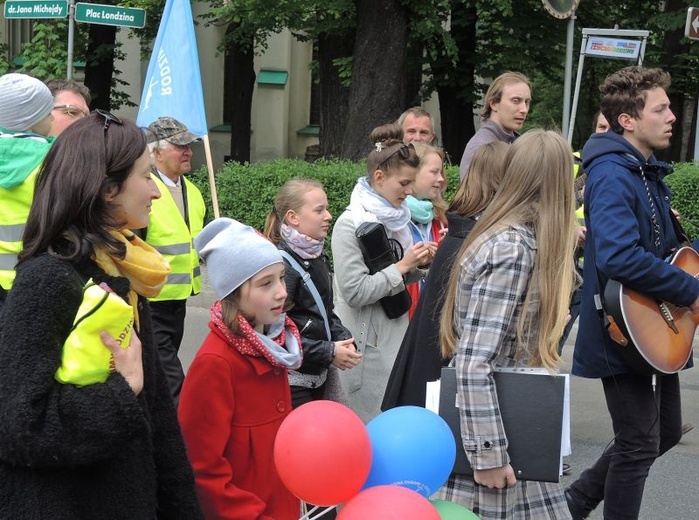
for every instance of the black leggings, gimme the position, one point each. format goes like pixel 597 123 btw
pixel 302 395
pixel 646 425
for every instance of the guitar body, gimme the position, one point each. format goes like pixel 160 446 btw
pixel 659 335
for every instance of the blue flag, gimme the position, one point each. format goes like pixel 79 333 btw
pixel 173 83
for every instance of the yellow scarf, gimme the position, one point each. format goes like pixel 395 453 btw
pixel 143 266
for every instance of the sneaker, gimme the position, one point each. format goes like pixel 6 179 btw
pixel 566 469
pixel 687 427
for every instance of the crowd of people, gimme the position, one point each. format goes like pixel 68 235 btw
pixel 489 280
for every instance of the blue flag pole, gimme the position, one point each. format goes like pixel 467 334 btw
pixel 173 82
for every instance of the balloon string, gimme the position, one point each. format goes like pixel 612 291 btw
pixel 308 513
pixel 327 510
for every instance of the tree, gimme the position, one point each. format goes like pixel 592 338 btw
pixel 452 65
pixel 45 56
pixel 377 89
pixel 239 82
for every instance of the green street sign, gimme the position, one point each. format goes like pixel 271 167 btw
pixel 36 9
pixel 110 15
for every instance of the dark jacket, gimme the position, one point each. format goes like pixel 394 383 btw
pixel 317 349
pixel 419 359
pixel 620 244
pixel 81 453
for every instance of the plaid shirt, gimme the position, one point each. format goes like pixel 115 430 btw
pixel 493 285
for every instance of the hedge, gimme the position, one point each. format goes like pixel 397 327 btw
pixel 684 183
pixel 246 191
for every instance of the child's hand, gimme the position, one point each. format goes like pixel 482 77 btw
pixel 498 478
pixel 418 254
pixel 127 361
pixel 346 355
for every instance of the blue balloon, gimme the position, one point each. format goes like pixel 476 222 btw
pixel 412 447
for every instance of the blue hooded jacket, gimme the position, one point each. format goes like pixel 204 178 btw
pixel 620 242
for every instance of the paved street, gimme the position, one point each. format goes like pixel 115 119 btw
pixel 671 490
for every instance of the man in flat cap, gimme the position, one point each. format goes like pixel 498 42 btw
pixel 176 218
pixel 25 121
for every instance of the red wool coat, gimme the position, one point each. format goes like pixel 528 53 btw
pixel 230 410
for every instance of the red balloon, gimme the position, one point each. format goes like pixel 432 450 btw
pixel 323 453
pixel 388 503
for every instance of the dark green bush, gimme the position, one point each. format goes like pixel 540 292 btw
pixel 684 183
pixel 246 191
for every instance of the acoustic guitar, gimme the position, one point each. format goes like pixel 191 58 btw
pixel 656 337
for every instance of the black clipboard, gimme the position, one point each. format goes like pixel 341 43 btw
pixel 531 405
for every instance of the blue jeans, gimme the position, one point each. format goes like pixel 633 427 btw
pixel 646 425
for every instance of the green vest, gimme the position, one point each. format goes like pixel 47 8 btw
pixel 169 234
pixel 14 210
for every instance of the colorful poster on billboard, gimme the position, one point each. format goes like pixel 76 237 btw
pixel 613 48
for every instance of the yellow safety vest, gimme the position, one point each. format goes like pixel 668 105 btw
pixel 580 212
pixel 169 234
pixel 14 210
pixel 85 359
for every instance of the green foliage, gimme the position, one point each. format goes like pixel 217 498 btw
pixel 255 20
pixel 45 56
pixel 684 183
pixel 154 11
pixel 452 181
pixel 246 192
pixel 4 62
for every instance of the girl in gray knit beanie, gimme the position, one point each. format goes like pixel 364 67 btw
pixel 236 392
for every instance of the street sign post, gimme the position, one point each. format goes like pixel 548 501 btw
pixel 110 15
pixel 36 9
pixel 691 31
pixel 691 28
pixel 614 43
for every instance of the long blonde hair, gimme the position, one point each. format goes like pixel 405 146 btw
pixel 538 193
pixel 484 177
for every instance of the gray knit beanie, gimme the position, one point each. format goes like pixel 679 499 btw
pixel 24 101
pixel 233 253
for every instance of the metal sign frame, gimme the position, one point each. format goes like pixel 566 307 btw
pixel 691 26
pixel 625 34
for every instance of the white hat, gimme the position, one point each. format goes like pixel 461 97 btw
pixel 24 101
pixel 233 253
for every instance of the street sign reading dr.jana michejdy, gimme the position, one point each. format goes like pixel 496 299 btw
pixel 36 9
pixel 110 15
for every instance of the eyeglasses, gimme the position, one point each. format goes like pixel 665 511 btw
pixel 71 111
pixel 108 119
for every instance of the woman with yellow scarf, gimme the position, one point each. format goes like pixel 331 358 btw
pixel 72 446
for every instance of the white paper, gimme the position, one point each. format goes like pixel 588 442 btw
pixel 432 396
